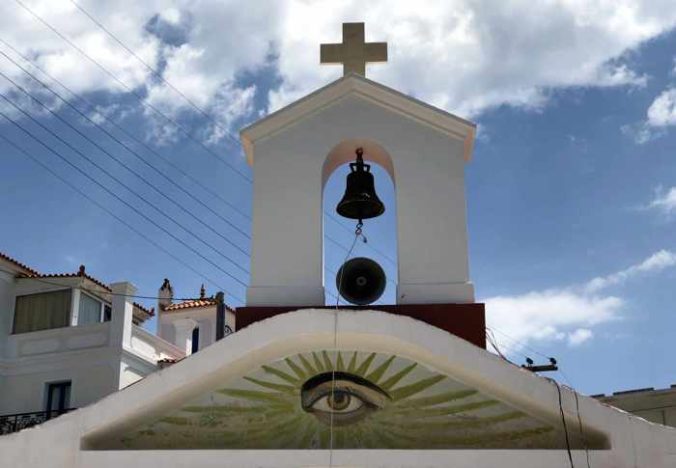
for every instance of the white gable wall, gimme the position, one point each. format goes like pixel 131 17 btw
pixel 634 442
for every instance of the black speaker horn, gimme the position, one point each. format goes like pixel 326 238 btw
pixel 361 281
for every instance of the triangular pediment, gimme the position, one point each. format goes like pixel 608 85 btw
pixel 269 387
pixel 354 85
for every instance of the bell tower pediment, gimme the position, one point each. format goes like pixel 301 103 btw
pixel 360 88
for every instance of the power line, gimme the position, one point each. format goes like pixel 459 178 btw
pixel 111 213
pixel 132 91
pixel 153 108
pixel 226 132
pixel 161 193
pixel 121 143
pixel 167 216
pixel 144 216
pixel 159 75
pixel 521 343
pixel 117 126
pixel 347 229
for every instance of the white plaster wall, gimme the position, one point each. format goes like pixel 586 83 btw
pixel 152 348
pixel 93 373
pixel 286 259
pixel 635 442
pixel 205 317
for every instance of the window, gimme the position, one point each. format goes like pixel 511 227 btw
pixel 107 313
pixel 58 398
pixel 42 311
pixel 90 310
pixel 195 340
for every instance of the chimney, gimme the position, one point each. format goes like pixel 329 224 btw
pixel 165 295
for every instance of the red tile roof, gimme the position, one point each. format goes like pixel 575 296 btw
pixel 81 273
pixel 19 264
pixel 194 303
pixel 150 312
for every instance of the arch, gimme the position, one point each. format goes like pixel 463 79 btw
pixel 343 153
pixel 380 228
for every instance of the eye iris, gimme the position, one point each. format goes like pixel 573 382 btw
pixel 338 401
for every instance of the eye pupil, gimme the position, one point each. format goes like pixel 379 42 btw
pixel 339 400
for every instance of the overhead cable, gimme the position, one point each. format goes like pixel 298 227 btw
pixel 111 213
pixel 116 179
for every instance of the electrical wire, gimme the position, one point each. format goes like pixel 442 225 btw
pixel 357 234
pixel 116 179
pixel 121 129
pixel 141 100
pixel 125 146
pixel 140 97
pixel 563 420
pixel 111 213
pixel 518 342
pixel 129 169
pixel 345 228
pixel 225 131
pixel 188 100
pixel 133 208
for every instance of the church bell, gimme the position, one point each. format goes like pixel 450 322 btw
pixel 360 200
pixel 361 281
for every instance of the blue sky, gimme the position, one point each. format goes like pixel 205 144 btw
pixel 571 192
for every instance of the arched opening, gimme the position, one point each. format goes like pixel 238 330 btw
pixel 338 232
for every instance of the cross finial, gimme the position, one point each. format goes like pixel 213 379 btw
pixel 353 52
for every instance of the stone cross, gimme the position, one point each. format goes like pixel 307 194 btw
pixel 353 52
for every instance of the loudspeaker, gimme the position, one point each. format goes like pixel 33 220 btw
pixel 361 281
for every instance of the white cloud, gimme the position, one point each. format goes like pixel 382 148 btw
pixel 567 313
pixel 656 262
pixel 462 55
pixel 660 115
pixel 662 112
pixel 642 132
pixel 549 315
pixel 664 201
pixel 580 336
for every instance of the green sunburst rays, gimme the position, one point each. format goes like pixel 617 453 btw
pixel 262 410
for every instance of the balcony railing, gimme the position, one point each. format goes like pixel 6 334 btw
pixel 15 422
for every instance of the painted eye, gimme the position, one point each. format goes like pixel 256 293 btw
pixel 340 398
pixel 340 401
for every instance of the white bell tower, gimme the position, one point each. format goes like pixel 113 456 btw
pixel 294 151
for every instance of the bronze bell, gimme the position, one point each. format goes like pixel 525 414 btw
pixel 360 200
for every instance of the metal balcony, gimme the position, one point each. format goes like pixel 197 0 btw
pixel 15 422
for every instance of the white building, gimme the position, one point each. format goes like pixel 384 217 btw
pixel 67 340
pixel 190 325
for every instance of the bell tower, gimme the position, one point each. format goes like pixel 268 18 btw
pixel 294 150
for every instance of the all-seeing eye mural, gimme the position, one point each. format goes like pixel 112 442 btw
pixel 350 400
